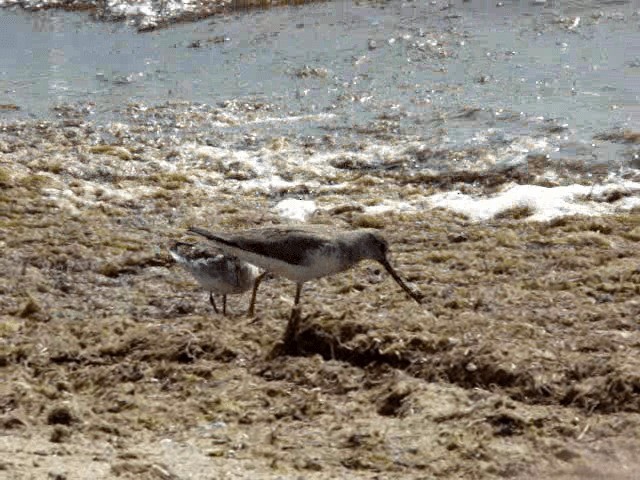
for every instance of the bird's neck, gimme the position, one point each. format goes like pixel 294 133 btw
pixel 353 249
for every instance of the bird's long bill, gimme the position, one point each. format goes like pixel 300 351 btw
pixel 416 296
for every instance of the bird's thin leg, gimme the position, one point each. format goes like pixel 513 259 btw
pixel 224 304
pixel 213 303
pixel 298 291
pixel 295 311
pixel 256 284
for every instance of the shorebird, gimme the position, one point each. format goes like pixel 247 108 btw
pixel 219 274
pixel 302 254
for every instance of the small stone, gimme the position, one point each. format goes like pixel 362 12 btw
pixel 60 416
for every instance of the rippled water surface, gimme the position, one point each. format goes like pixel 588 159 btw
pixel 531 76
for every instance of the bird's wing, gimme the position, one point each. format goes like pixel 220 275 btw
pixel 290 245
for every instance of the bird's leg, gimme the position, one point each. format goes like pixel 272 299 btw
pixel 298 291
pixel 224 305
pixel 213 303
pixel 295 311
pixel 256 284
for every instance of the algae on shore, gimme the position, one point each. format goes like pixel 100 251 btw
pixel 522 359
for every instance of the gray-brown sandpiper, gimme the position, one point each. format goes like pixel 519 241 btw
pixel 306 253
pixel 219 274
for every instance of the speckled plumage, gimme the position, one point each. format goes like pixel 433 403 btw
pixel 217 273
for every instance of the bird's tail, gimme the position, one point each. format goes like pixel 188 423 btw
pixel 202 232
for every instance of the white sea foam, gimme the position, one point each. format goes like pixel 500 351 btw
pixel 390 206
pixel 294 209
pixel 293 118
pixel 143 8
pixel 274 170
pixel 267 185
pixel 545 202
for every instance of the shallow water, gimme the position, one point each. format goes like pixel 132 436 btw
pixel 470 86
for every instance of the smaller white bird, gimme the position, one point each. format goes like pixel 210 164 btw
pixel 219 274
